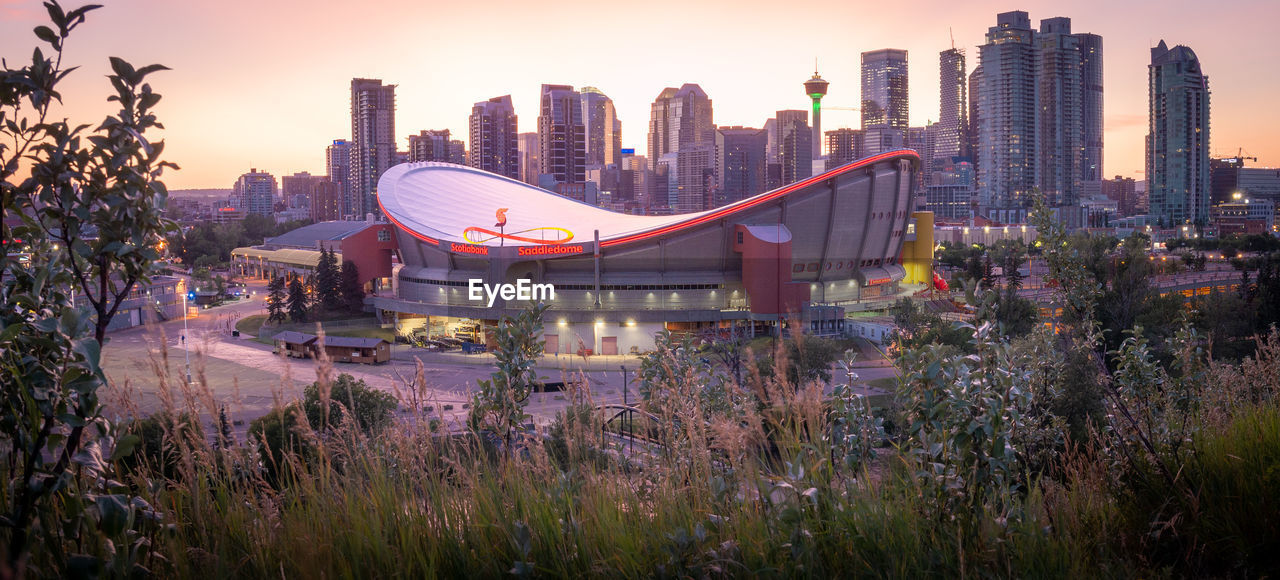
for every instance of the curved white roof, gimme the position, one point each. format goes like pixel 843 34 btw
pixel 441 201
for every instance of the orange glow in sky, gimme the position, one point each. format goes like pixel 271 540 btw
pixel 267 84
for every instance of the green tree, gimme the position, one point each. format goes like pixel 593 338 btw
pixel 276 300
pixel 328 281
pixel 371 409
pixel 499 404
pixel 351 290
pixel 297 301
pixel 91 211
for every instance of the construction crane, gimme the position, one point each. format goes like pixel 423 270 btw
pixel 1240 155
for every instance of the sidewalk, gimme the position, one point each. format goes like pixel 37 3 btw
pixel 401 352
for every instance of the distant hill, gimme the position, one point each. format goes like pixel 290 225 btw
pixel 200 193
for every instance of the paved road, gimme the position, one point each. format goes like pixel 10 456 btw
pixel 147 367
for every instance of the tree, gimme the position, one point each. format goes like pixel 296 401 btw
pixel 297 301
pixel 351 290
pixel 499 404
pixel 327 282
pixel 90 212
pixel 276 300
pixel 370 408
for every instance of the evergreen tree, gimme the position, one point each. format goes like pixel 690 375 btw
pixel 327 282
pixel 276 300
pixel 352 291
pixel 297 302
pixel 226 438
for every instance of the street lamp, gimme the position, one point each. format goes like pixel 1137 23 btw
pixel 185 348
pixel 631 416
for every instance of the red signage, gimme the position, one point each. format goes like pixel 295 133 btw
pixel 549 250
pixel 469 249
pixel 877 281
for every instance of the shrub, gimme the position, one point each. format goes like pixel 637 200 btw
pixel 163 437
pixel 371 409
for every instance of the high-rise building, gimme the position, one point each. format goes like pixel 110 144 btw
pixel 816 88
pixel 951 132
pixel 338 167
pixel 326 201
pixel 884 88
pixel 695 177
pixel 1178 138
pixel 298 184
pixel 603 129
pixel 1007 112
pixel 843 145
pixel 1038 112
pixel 880 138
pixel 562 136
pixel 458 152
pixel 635 168
pixel 1121 190
pixel 255 192
pixel 529 164
pixel 678 118
pixel 973 149
pixel 1090 47
pixel 740 162
pixel 493 138
pixel 795 153
pixel 1059 130
pixel 431 146
pixel 373 141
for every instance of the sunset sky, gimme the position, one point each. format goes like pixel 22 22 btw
pixel 266 84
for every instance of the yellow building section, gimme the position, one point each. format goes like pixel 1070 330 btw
pixel 917 255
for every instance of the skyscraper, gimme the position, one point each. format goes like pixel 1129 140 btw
pixel 493 139
pixel 973 147
pixel 950 133
pixel 795 153
pixel 1178 175
pixel 1090 47
pixel 373 141
pixel 529 164
pixel 326 201
pixel 562 136
pixel 1039 111
pixel 338 167
pixel 1059 131
pixel 1007 112
pixel 603 129
pixel 884 88
pixel 843 145
pixel 255 192
pixel 458 152
pixel 678 118
pixel 430 146
pixel 816 88
pixel 740 162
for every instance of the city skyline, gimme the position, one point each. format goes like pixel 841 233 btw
pixel 302 100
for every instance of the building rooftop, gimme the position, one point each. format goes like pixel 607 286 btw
pixel 453 203
pixel 309 237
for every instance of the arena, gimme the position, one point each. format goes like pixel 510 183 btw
pixel 793 255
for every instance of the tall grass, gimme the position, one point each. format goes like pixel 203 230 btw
pixel 746 490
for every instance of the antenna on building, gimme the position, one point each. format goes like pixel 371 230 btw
pixel 953 37
pixel 815 66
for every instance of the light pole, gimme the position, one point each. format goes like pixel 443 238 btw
pixel 631 416
pixel 185 348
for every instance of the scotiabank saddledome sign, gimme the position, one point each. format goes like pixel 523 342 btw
pixel 549 240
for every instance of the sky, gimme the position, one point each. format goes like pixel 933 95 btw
pixel 266 84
